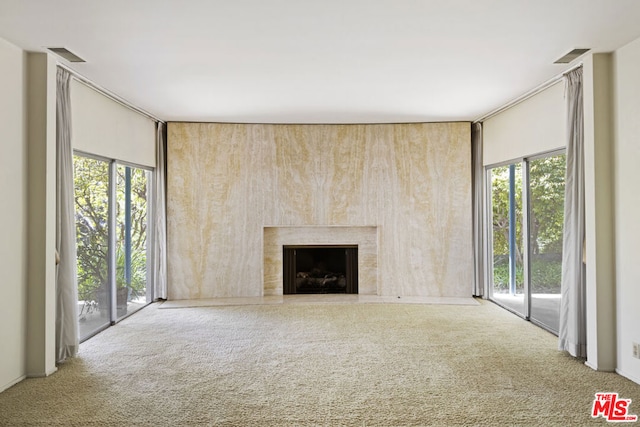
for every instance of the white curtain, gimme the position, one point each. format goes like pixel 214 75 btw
pixel 477 200
pixel 66 277
pixel 573 332
pixel 160 215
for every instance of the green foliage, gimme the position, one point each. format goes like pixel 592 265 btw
pixel 138 284
pixel 546 275
pixel 546 194
pixel 501 278
pixel 91 179
pixel 91 205
pixel 546 177
pixel 500 207
pixel 546 186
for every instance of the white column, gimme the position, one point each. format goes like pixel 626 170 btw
pixel 599 212
pixel 41 101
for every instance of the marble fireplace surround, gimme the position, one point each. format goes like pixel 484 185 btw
pixel 365 237
pixel 237 192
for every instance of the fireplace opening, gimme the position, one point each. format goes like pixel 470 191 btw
pixel 320 269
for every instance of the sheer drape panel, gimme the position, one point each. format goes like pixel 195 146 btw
pixel 572 334
pixel 66 272
pixel 160 215
pixel 477 201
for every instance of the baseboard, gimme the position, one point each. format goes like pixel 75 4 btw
pixel 12 383
pixel 589 364
pixel 630 377
pixel 598 368
pixel 42 374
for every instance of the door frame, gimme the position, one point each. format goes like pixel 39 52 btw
pixel 112 236
pixel 526 212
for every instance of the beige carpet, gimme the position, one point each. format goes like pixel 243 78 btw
pixel 317 364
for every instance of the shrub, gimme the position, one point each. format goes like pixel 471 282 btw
pixel 546 275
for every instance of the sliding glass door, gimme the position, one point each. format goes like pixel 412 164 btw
pixel 112 211
pixel 526 211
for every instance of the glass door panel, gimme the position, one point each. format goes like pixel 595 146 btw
pixel 507 288
pixel 132 292
pixel 91 180
pixel 546 212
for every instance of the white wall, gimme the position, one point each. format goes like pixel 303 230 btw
pixel 536 125
pixel 626 176
pixel 13 217
pixel 104 127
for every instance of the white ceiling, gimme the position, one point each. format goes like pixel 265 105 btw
pixel 296 61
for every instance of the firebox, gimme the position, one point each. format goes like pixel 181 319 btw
pixel 320 269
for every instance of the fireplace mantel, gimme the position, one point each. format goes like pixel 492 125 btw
pixel 365 237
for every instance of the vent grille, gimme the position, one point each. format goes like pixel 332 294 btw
pixel 66 54
pixel 571 56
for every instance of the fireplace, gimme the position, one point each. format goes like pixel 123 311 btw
pixel 364 238
pixel 320 269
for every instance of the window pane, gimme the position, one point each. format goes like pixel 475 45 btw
pixel 546 184
pixel 92 220
pixel 506 194
pixel 131 240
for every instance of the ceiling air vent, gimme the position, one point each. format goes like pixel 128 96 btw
pixel 571 56
pixel 66 54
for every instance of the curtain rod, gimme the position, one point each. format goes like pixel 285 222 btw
pixel 109 94
pixel 528 94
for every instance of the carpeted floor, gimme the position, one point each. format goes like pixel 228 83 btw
pixel 317 364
